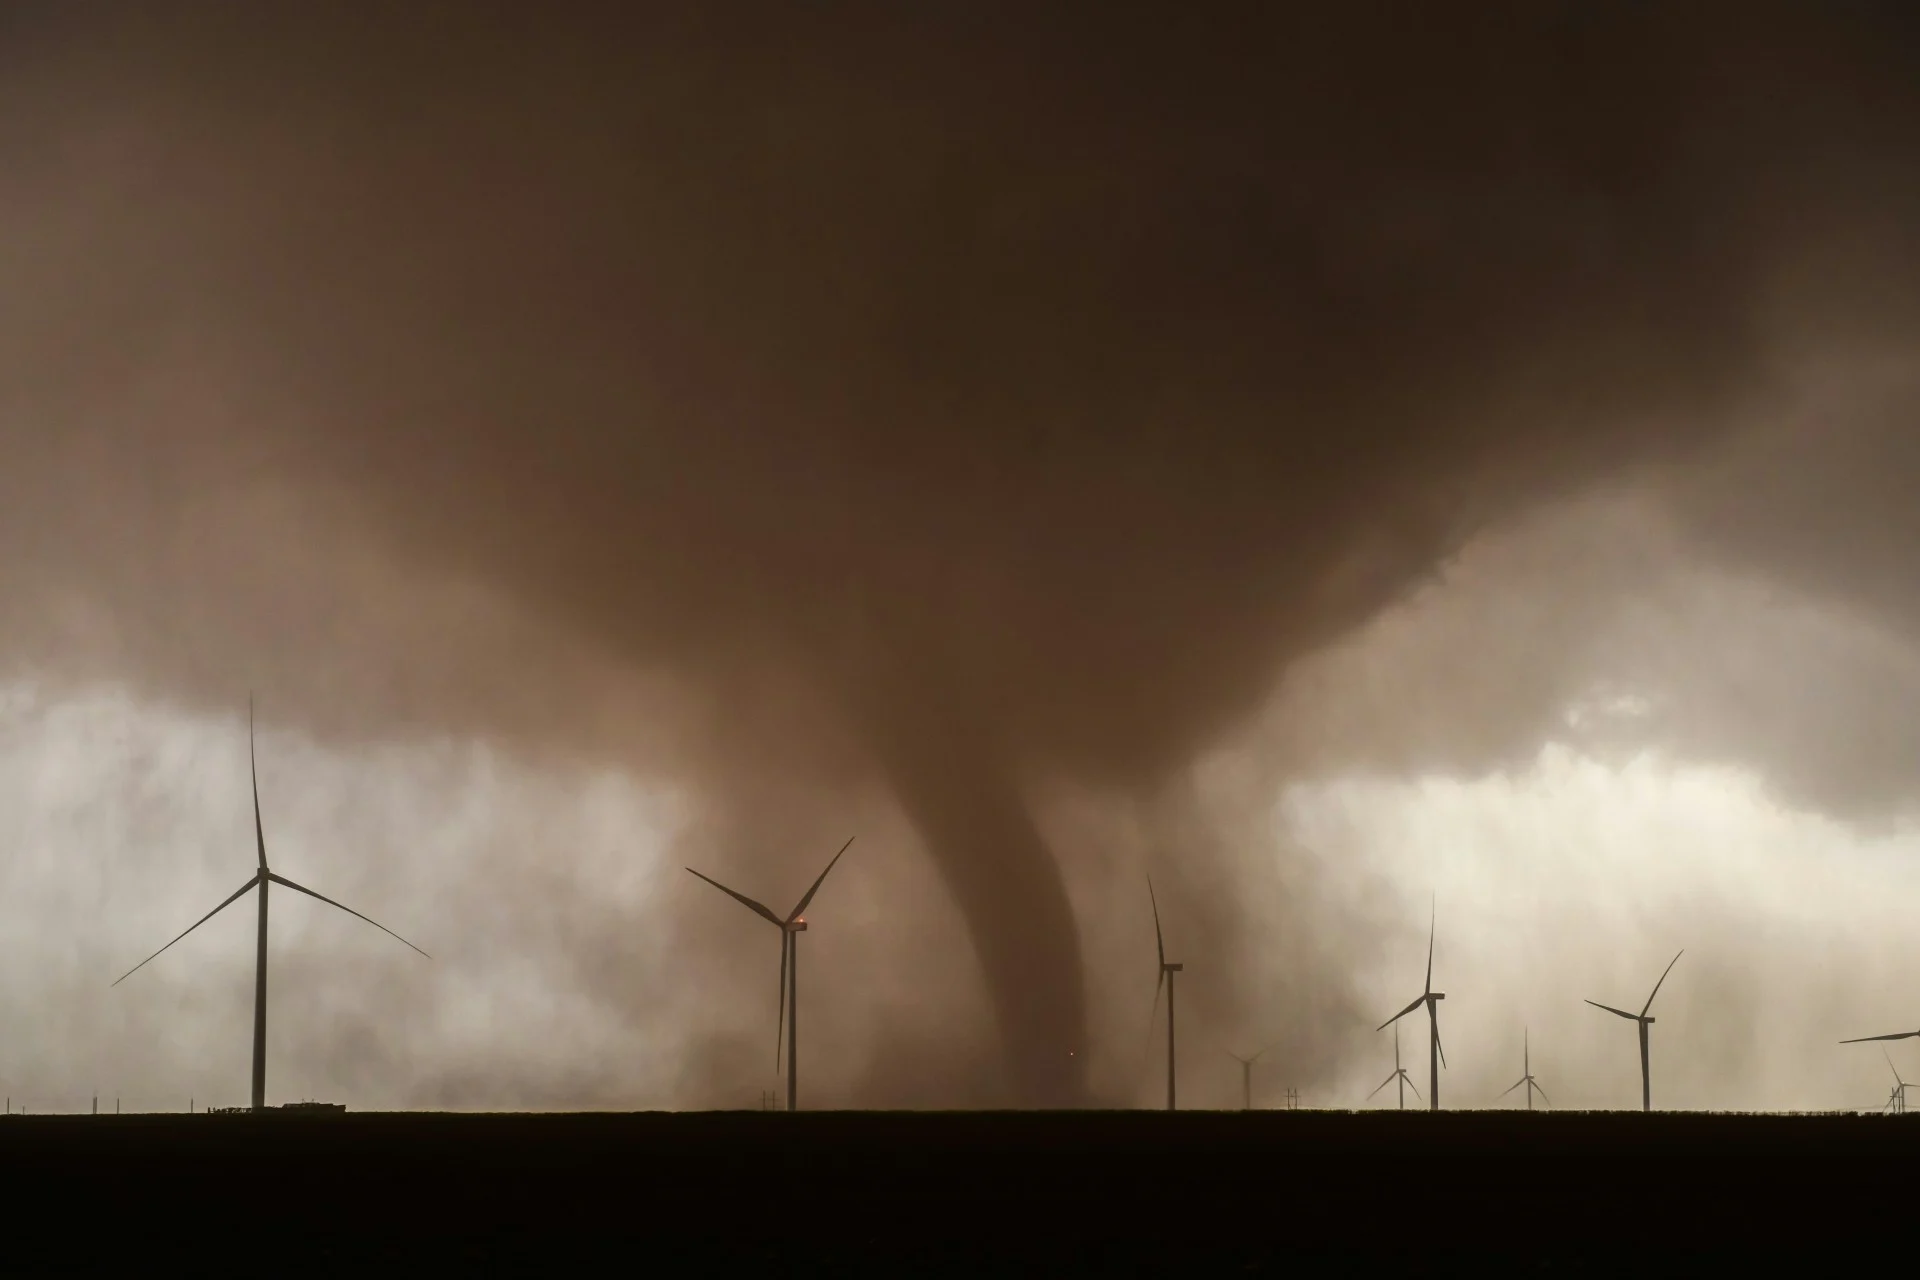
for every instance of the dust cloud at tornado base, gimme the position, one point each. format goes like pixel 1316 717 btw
pixel 948 436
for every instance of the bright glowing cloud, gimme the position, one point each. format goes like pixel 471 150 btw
pixel 1574 878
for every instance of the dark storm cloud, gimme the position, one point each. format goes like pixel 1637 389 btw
pixel 942 395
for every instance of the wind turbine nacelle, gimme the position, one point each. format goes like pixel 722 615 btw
pixel 798 926
pixel 1174 968
pixel 1648 1021
pixel 1437 995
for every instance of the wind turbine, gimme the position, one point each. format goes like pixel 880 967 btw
pixel 1526 1078
pixel 1897 1100
pixel 1166 976
pixel 1435 1054
pixel 1399 1073
pixel 1641 1018
pixel 261 878
pixel 1246 1077
pixel 787 1023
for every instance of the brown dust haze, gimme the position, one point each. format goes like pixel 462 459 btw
pixel 944 402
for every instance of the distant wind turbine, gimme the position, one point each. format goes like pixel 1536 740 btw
pixel 1897 1100
pixel 1526 1077
pixel 261 878
pixel 1399 1073
pixel 1430 998
pixel 787 1022
pixel 1246 1077
pixel 1166 977
pixel 1641 1018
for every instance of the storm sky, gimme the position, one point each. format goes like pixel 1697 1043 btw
pixel 1325 460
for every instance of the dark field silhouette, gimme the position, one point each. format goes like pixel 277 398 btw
pixel 829 1193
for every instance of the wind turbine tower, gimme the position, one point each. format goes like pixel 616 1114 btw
pixel 1167 971
pixel 787 1021
pixel 262 877
pixel 1399 1073
pixel 1526 1077
pixel 1644 1021
pixel 1436 1056
pixel 1246 1077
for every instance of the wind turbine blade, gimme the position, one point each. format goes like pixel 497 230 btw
pixel 189 929
pixel 282 880
pixel 1383 1084
pixel 1403 1013
pixel 1410 1084
pixel 1903 1035
pixel 1159 944
pixel 741 897
pixel 1663 977
pixel 1146 1041
pixel 780 1018
pixel 1891 1067
pixel 1542 1092
pixel 1515 1085
pixel 1438 1043
pixel 1630 1017
pixel 1432 920
pixel 253 769
pixel 817 883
